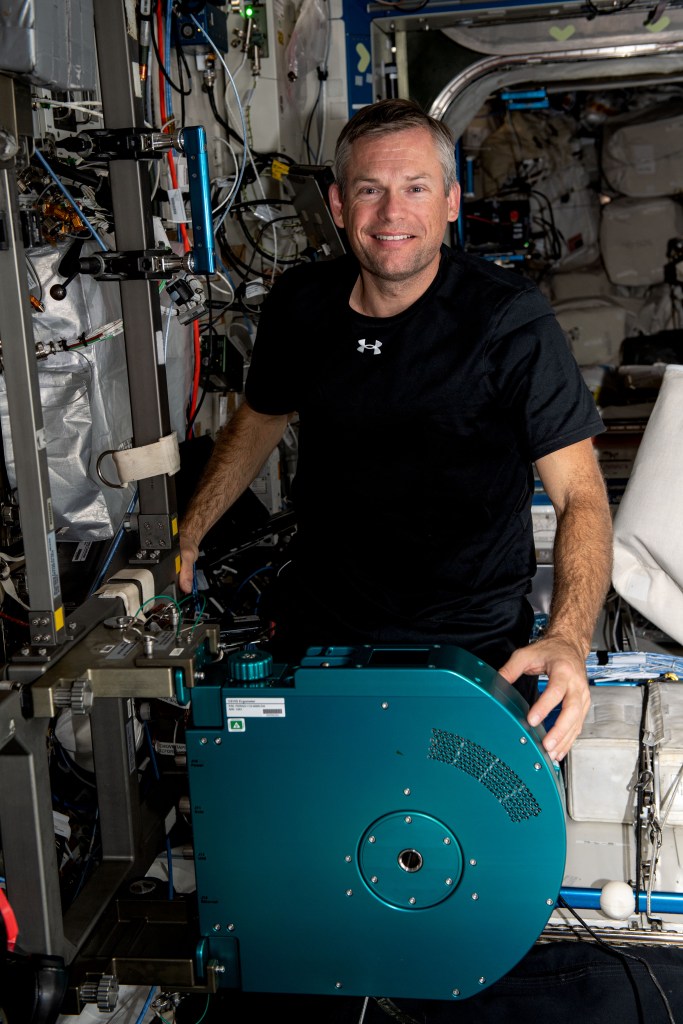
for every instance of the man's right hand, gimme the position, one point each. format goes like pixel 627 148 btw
pixel 189 553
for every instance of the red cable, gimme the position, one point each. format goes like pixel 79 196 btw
pixel 9 920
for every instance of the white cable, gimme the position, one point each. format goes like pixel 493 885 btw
pixel 230 291
pixel 238 183
pixel 70 106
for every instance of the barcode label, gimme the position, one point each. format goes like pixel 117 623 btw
pixel 255 707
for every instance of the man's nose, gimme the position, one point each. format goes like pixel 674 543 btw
pixel 391 206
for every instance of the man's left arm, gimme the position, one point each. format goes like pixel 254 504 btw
pixel 582 573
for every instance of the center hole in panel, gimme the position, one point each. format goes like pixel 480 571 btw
pixel 410 860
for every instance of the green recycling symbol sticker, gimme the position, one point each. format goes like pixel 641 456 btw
pixel 236 725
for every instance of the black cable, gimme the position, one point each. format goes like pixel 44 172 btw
pixel 309 121
pixel 255 243
pixel 208 89
pixel 623 955
pixel 180 57
pixel 160 62
pixel 258 156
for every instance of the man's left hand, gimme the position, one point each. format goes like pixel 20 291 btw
pixel 565 668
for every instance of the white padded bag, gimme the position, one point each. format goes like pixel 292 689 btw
pixel 648 524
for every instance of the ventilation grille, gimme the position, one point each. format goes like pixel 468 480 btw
pixel 500 780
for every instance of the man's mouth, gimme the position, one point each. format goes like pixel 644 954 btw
pixel 392 238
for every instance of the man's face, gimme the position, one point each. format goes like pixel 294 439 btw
pixel 394 210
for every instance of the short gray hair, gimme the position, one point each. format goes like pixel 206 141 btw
pixel 385 117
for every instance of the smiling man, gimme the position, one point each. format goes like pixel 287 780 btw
pixel 427 383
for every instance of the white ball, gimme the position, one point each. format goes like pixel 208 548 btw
pixel 617 900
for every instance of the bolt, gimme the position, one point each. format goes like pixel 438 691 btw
pixel 446 841
pixel 407 819
pixel 44 622
pixel 73 626
pixel 449 881
pixel 337 984
pixel 203 741
pixel 406 792
pixel 42 651
pixel 34 622
pixel 25 651
pixel 217 741
pixel 473 862
pixel 482 981
pixel 475 895
pixel 374 879
pixel 148 527
pixel 522 739
pixel 349 892
pixel 347 858
pixel 325 664
pixel 371 839
pixel 231 927
pixel 200 676
pixel 216 928
pixel 385 703
pixel 550 903
pixel 537 766
pixel 219 968
pixel 148 543
pixel 456 991
pixel 412 901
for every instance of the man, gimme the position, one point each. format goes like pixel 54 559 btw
pixel 427 382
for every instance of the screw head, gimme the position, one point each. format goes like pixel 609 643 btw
pixel 349 892
pixel 348 858
pixel 337 984
pixel 203 741
pixel 523 739
pixel 473 862
pixel 216 928
pixel 447 841
pixel 406 792
pixel 385 704
pixel 537 766
pixel 475 895
pixel 407 819
pixel 456 991
pixel 217 741
pixel 412 901
pixel 374 879
pixel 371 839
pixel 449 881
pixel 482 981
pixel 231 927
pixel 550 903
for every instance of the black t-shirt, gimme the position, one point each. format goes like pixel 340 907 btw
pixel 417 436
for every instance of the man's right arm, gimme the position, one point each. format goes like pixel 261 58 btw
pixel 240 451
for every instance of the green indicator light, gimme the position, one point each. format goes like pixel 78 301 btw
pixel 249 12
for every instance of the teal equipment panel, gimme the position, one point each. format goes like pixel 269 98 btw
pixel 379 821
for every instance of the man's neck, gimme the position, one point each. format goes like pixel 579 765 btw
pixel 372 296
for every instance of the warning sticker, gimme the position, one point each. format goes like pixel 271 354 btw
pixel 255 707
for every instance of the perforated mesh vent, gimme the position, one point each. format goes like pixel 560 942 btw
pixel 500 780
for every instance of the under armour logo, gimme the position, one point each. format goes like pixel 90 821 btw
pixel 375 347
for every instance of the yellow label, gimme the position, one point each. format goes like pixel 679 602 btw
pixel 279 170
pixel 59 619
pixel 174 526
pixel 177 564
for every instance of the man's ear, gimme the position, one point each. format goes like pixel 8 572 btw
pixel 454 202
pixel 336 205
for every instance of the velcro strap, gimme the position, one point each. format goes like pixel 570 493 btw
pixel 162 456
